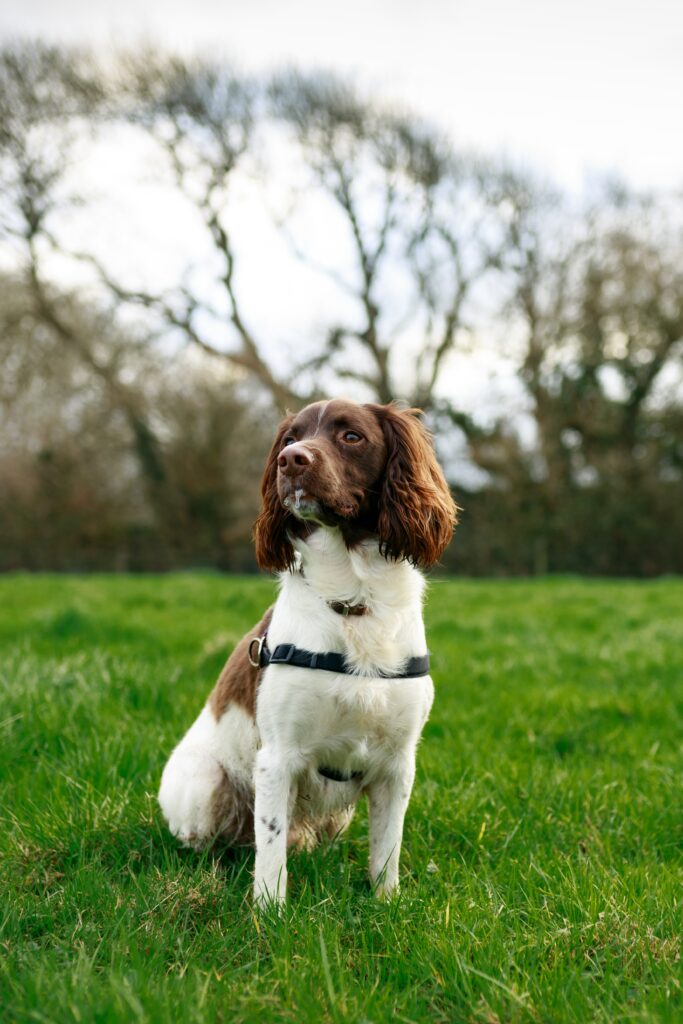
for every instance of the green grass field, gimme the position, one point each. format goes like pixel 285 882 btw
pixel 541 869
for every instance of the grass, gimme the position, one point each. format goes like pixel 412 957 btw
pixel 541 869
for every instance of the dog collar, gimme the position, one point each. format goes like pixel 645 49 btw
pixel 260 656
pixel 344 608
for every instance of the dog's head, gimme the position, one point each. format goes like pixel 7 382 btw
pixel 368 469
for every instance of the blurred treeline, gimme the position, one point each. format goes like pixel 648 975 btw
pixel 135 411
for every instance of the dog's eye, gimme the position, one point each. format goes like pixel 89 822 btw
pixel 288 440
pixel 351 437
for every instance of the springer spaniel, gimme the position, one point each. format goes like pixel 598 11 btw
pixel 326 697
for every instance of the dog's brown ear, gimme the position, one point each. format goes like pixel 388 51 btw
pixel 417 514
pixel 274 550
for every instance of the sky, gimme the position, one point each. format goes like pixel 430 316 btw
pixel 574 89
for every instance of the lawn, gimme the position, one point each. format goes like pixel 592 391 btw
pixel 541 869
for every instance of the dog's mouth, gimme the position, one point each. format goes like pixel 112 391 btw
pixel 303 505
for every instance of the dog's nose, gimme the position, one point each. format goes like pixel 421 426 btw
pixel 293 460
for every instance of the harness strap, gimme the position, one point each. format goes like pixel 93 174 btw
pixel 330 661
pixel 336 776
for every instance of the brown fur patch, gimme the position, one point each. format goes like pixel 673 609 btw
pixel 306 833
pixel 233 811
pixel 238 682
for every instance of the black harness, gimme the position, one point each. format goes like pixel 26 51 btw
pixel 330 661
pixel 261 656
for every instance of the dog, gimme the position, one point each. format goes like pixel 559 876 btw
pixel 325 699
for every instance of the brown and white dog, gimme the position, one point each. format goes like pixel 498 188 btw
pixel 353 502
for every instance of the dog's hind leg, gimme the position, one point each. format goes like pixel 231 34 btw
pixel 205 788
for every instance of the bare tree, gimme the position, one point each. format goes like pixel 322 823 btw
pixel 602 314
pixel 74 489
pixel 420 221
pixel 597 311
pixel 47 96
pixel 202 117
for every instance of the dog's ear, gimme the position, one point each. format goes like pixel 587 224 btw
pixel 417 514
pixel 274 550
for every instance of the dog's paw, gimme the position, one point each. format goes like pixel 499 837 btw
pixel 268 903
pixel 273 896
pixel 385 889
pixel 187 797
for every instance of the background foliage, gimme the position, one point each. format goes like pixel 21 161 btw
pixel 135 410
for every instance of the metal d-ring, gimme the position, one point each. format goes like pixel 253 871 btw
pixel 259 641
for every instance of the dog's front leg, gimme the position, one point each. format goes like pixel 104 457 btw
pixel 389 798
pixel 272 783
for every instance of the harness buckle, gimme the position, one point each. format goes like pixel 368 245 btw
pixel 259 641
pixel 286 653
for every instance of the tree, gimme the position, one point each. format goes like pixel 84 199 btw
pixel 421 222
pixel 202 117
pixel 418 220
pixel 46 97
pixel 75 493
pixel 597 308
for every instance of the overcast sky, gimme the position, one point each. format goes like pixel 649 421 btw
pixel 572 88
